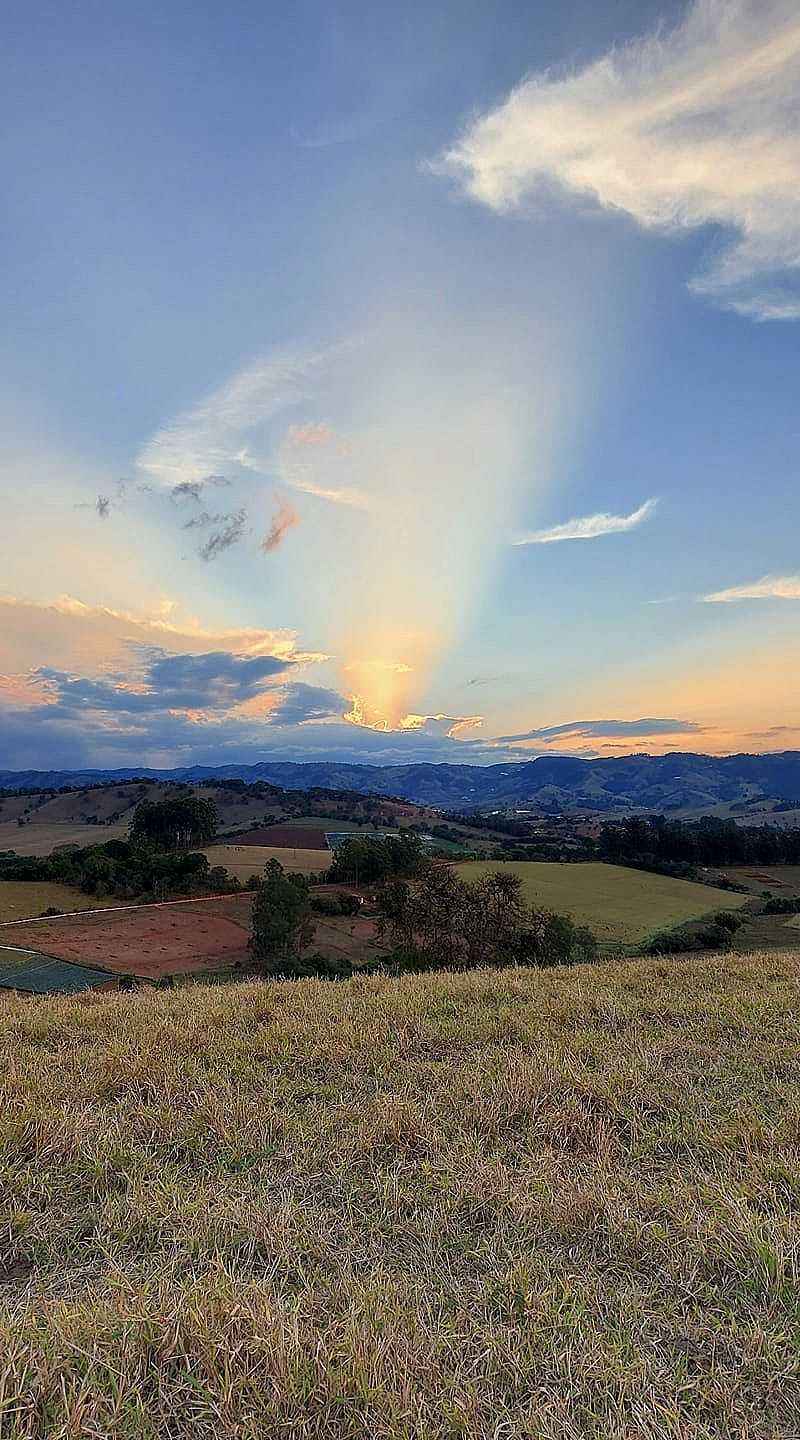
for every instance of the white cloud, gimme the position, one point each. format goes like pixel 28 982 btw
pixel 772 587
pixel 692 126
pixel 208 438
pixel 588 527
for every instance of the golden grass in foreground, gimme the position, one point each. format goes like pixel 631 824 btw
pixel 496 1205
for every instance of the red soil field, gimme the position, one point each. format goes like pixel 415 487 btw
pixel 287 837
pixel 147 940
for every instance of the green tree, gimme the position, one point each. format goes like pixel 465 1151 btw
pixel 282 924
pixel 442 922
pixel 175 823
pixel 365 860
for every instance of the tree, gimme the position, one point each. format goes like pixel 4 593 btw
pixel 282 924
pixel 363 860
pixel 443 922
pixel 175 823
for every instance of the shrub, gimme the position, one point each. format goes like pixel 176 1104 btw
pixel 729 920
pixel 322 967
pixel 348 904
pixel 325 905
pixel 686 938
pixel 218 879
pixel 782 905
pixel 341 904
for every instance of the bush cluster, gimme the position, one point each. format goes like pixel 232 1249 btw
pixel 782 905
pixel 341 904
pixel 705 935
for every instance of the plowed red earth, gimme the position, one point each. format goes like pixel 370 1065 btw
pixel 147 940
pixel 287 837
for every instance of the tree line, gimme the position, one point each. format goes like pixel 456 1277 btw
pixel 707 841
pixel 156 860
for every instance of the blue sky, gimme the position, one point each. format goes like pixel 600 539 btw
pixel 358 338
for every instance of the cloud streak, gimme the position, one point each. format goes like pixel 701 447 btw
pixel 589 527
pixel 772 587
pixel 688 127
pixel 283 520
pixel 602 729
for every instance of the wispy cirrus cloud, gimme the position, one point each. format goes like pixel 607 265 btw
pixel 588 527
pixel 602 729
pixel 203 441
pixel 687 127
pixel 771 587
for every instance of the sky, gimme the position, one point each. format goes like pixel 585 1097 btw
pixel 398 383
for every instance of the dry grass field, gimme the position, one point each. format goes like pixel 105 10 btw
pixel 242 861
pixel 780 879
pixel 20 899
pixel 42 838
pixel 507 1205
pixel 622 906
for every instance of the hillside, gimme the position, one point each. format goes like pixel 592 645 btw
pixel 739 784
pixel 502 1204
pixel 99 811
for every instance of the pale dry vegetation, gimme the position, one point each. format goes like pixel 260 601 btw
pixel 507 1204
pixel 25 899
pixel 244 861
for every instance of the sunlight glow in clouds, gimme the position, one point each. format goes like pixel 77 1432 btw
pixel 772 587
pixel 689 127
pixel 404 491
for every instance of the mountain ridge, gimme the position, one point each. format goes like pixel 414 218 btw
pixel 549 783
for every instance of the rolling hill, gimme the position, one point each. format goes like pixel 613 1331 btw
pixel 679 782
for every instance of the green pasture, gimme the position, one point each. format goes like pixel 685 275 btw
pixel 621 906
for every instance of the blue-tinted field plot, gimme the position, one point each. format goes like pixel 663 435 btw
pixel 39 974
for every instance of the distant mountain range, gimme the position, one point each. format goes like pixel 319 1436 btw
pixel 550 784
